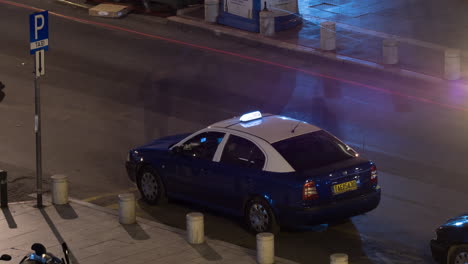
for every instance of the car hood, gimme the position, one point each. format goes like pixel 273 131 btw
pixel 165 142
pixel 459 221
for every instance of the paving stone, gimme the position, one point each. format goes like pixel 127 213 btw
pixel 96 236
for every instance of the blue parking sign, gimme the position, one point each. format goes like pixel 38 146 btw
pixel 39 31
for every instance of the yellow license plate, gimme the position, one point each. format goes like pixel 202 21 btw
pixel 344 187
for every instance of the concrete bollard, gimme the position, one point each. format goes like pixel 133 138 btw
pixel 267 23
pixel 59 189
pixel 338 258
pixel 127 206
pixel 211 10
pixel 195 228
pixel 265 248
pixel 328 35
pixel 452 67
pixel 390 51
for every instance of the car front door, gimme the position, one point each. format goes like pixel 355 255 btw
pixel 192 162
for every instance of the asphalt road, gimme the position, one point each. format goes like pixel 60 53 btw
pixel 108 90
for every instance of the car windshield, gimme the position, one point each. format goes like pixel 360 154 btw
pixel 313 150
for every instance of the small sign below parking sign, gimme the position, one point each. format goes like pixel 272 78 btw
pixel 39 31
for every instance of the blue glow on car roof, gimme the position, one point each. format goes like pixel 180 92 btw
pixel 251 123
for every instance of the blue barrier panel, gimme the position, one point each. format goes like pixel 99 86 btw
pixel 245 14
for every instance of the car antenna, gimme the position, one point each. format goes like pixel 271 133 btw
pixel 292 131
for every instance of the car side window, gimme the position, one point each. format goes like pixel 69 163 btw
pixel 242 152
pixel 203 145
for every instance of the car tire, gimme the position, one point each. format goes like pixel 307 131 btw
pixel 151 186
pixel 259 217
pixel 459 255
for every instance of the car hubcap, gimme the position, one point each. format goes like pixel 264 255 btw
pixel 461 258
pixel 149 186
pixel 258 217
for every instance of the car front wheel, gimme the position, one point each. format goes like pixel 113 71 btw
pixel 459 255
pixel 151 187
pixel 259 217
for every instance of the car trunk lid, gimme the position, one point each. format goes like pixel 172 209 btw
pixel 340 180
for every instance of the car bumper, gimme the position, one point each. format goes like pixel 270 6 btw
pixel 439 251
pixel 131 170
pixel 330 212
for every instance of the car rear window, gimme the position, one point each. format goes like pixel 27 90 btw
pixel 313 150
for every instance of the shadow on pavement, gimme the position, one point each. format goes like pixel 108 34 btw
pixel 207 252
pixel 315 243
pixel 66 211
pixel 9 218
pixel 136 232
pixel 57 234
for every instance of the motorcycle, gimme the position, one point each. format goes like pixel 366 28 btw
pixel 41 255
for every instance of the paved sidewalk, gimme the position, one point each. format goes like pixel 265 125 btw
pixel 94 235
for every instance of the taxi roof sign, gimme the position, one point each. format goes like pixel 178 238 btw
pixel 250 116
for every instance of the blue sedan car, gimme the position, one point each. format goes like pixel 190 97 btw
pixel 269 169
pixel 451 242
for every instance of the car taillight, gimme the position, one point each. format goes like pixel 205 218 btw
pixel 373 174
pixel 310 191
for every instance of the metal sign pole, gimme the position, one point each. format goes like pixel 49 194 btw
pixel 39 43
pixel 37 130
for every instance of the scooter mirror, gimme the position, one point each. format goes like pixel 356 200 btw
pixel 5 257
pixel 39 249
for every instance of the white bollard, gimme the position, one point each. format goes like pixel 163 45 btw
pixel 265 248
pixel 390 51
pixel 339 258
pixel 195 228
pixel 59 189
pixel 127 206
pixel 452 67
pixel 328 35
pixel 267 23
pixel 211 10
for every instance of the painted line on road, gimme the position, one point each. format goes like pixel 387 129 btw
pixel 115 206
pixel 312 73
pixel 74 4
pixel 105 195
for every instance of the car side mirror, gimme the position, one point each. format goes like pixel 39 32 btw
pixel 177 149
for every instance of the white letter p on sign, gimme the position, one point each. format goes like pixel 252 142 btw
pixel 38 27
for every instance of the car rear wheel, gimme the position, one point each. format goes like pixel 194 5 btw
pixel 459 255
pixel 259 217
pixel 151 187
